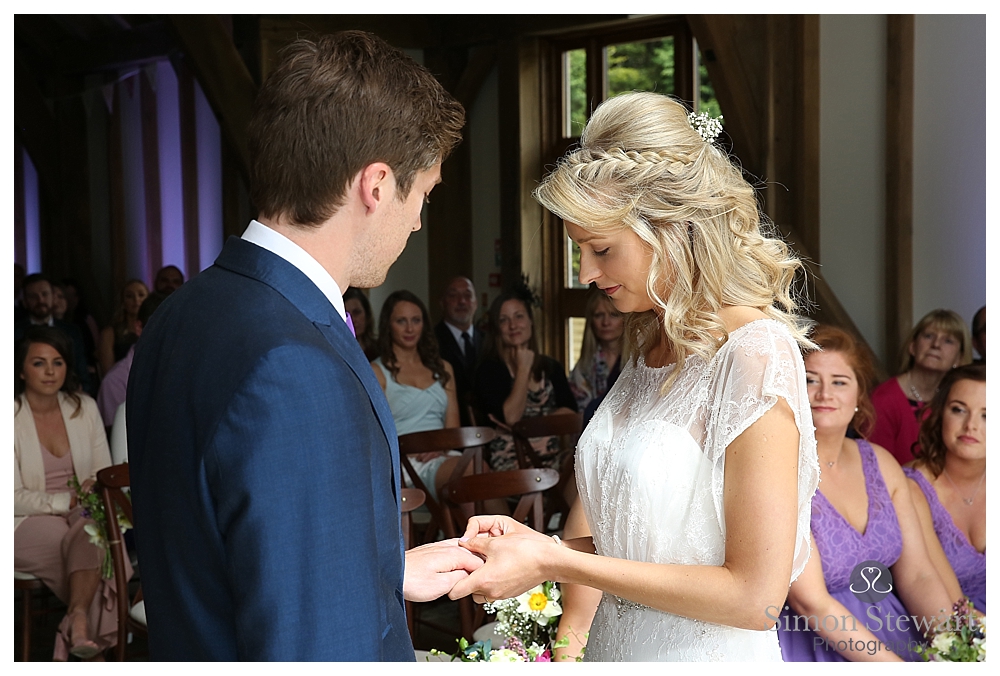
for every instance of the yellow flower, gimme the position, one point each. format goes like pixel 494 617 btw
pixel 537 602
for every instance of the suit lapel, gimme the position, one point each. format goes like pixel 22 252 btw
pixel 248 259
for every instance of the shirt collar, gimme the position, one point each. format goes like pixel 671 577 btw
pixel 457 332
pixel 272 240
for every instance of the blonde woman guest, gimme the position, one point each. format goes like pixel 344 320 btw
pixel 119 336
pixel 697 472
pixel 939 342
pixel 600 354
pixel 861 512
pixel 949 481
pixel 58 434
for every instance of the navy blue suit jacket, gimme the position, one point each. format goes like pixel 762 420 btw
pixel 264 468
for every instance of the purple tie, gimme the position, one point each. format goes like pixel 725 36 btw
pixel 350 324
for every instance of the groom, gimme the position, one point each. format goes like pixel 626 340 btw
pixel 264 461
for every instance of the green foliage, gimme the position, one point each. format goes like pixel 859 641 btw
pixel 641 66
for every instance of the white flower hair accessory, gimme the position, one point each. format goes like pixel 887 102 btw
pixel 708 127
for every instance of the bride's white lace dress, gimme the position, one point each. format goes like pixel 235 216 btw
pixel 650 470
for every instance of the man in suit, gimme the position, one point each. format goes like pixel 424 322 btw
pixel 264 460
pixel 37 293
pixel 459 342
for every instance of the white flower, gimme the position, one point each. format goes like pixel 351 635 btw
pixel 504 655
pixel 943 641
pixel 534 603
pixel 95 534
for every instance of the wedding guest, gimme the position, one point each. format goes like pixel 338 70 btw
pixel 514 380
pixel 58 434
pixel 113 386
pixel 949 481
pixel 357 306
pixel 861 512
pixel 168 279
pixel 979 334
pixel 119 336
pixel 461 342
pixel 600 355
pixel 77 313
pixel 418 384
pixel 938 343
pixel 38 301
pixel 58 302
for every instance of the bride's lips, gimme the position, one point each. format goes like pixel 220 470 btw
pixel 611 289
pixel 823 409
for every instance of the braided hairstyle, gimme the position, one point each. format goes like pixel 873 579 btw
pixel 641 165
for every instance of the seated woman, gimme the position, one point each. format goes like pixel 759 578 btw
pixel 949 481
pixel 418 384
pixel 119 336
pixel 58 433
pixel 514 381
pixel 862 512
pixel 357 306
pixel 600 354
pixel 938 343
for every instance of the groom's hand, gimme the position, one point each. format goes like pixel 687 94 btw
pixel 433 570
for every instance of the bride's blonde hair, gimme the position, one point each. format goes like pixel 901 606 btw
pixel 641 165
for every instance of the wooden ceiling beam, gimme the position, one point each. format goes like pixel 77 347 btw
pixel 222 74
pixel 132 48
pixel 34 122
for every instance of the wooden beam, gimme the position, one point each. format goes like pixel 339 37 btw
pixel 899 178
pixel 131 48
pixel 224 77
pixel 34 124
pixel 477 69
pixel 116 182
pixel 807 133
pixel 20 219
pixel 151 175
pixel 189 168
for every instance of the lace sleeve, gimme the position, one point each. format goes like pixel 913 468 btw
pixel 760 363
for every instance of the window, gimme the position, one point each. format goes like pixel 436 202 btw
pixel 658 55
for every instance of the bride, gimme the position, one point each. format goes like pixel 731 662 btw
pixel 697 471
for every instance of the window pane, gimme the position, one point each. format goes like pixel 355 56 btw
pixel 640 66
pixel 572 277
pixel 705 101
pixel 574 92
pixel 574 340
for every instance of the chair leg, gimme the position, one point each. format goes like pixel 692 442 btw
pixel 26 625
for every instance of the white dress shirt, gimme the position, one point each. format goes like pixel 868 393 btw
pixel 458 336
pixel 279 245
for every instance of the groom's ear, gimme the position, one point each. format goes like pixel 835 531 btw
pixel 375 183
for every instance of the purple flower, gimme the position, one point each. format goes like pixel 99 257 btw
pixel 85 513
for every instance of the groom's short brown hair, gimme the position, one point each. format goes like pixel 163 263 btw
pixel 333 106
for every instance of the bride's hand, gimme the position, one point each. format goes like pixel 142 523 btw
pixel 496 525
pixel 514 564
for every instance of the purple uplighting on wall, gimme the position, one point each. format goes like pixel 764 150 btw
pixel 209 181
pixel 133 187
pixel 32 234
pixel 171 181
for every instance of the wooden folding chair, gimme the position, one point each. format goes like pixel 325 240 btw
pixel 410 499
pixel 475 489
pixel 469 440
pixel 131 615
pixel 568 426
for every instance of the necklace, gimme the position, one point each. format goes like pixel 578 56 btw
pixel 966 500
pixel 913 390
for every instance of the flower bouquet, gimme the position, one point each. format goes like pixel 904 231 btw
pixel 962 638
pixel 93 509
pixel 528 622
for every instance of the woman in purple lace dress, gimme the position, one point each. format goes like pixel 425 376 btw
pixel 861 513
pixel 950 473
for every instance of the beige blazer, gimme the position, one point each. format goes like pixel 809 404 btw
pixel 88 445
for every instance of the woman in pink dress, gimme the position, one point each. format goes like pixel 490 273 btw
pixel 938 343
pixel 58 434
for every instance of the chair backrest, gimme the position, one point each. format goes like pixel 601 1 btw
pixel 469 440
pixel 527 483
pixel 525 429
pixel 410 499
pixel 110 482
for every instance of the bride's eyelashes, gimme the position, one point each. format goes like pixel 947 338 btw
pixel 602 252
